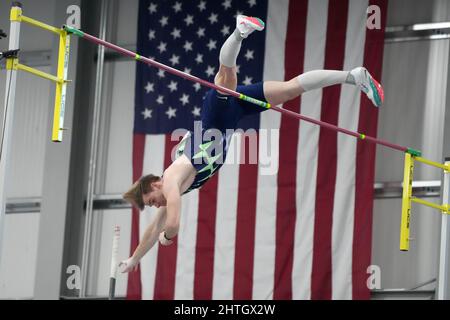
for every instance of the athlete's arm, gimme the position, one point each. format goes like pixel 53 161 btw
pixel 177 178
pixel 171 191
pixel 148 241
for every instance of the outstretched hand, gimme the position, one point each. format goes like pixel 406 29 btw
pixel 163 240
pixel 131 264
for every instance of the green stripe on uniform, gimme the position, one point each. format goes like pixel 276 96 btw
pixel 254 101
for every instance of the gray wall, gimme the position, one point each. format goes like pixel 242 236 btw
pixel 29 147
pixel 17 268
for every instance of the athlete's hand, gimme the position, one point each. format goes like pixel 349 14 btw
pixel 163 240
pixel 131 264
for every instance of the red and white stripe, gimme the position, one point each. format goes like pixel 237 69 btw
pixel 305 231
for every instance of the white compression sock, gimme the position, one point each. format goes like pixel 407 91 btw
pixel 323 78
pixel 230 49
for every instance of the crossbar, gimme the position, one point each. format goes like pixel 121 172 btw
pixel 233 93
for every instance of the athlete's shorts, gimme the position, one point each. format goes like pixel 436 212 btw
pixel 207 151
pixel 223 112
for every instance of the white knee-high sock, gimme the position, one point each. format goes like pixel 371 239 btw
pixel 230 49
pixel 323 78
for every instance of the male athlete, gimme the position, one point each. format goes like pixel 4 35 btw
pixel 197 161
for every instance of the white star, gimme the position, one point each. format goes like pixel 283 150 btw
pixel 196 112
pixel 161 73
pixel 226 4
pixel 175 59
pixel 202 6
pixel 147 113
pixel 176 33
pixel 249 55
pixel 238 68
pixel 149 87
pixel 211 44
pixel 160 99
pixel 173 86
pixel 187 70
pixel 225 30
pixel 210 71
pixel 177 7
pixel 247 81
pixel 199 58
pixel 152 8
pixel 201 32
pixel 212 18
pixel 151 34
pixel 162 47
pixel 197 86
pixel 251 3
pixel 187 46
pixel 184 99
pixel 171 113
pixel 189 19
pixel 238 13
pixel 164 21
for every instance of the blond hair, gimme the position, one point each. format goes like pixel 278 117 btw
pixel 139 188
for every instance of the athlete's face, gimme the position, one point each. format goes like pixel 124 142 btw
pixel 155 197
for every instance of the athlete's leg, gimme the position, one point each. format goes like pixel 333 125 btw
pixel 226 76
pixel 277 92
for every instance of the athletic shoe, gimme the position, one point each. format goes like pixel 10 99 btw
pixel 246 25
pixel 368 85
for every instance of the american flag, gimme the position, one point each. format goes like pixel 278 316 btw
pixel 301 233
pixel 188 35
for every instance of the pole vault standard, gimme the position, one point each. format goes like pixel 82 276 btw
pixel 238 95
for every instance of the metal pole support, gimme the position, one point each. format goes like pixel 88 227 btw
pixel 406 202
pixel 442 290
pixel 61 87
pixel 8 116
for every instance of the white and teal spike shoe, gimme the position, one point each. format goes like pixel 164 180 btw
pixel 246 25
pixel 368 85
